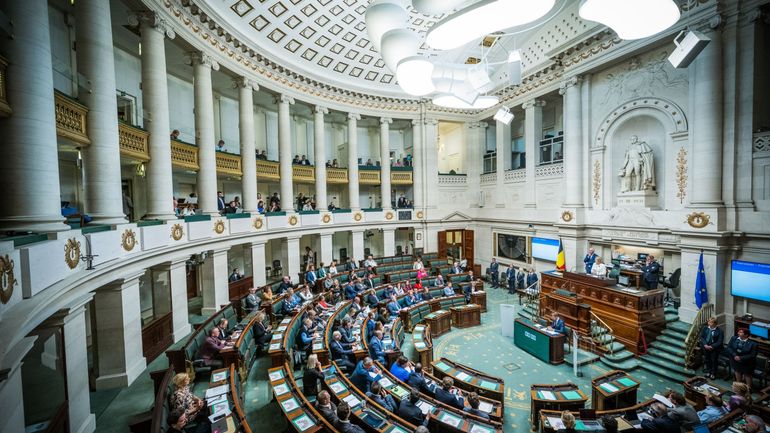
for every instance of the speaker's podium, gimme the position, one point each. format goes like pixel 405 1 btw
pixel 536 340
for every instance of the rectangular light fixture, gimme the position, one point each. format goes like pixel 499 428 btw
pixel 504 115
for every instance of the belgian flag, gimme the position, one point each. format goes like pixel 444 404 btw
pixel 561 264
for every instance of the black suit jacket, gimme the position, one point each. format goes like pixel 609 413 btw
pixel 716 341
pixel 338 351
pixel 410 412
pixel 330 413
pixel 347 427
pixel 448 398
pixel 417 381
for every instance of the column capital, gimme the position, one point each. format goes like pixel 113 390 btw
pixel 532 103
pixel 151 20
pixel 320 109
pixel 245 83
pixel 201 58
pixel 481 124
pixel 354 116
pixel 385 120
pixel 123 283
pixel 284 99
pixel 711 24
pixel 569 82
pixel 431 122
pixel 258 244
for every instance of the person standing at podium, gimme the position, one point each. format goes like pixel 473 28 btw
pixel 650 272
pixel 589 260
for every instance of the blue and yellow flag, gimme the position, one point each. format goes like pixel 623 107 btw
pixel 561 264
pixel 701 294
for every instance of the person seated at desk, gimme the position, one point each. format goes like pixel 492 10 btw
pixel 223 329
pixel 322 304
pixel 267 294
pixel 589 260
pixel 376 347
pixel 365 374
pixel 683 413
pixel 715 409
pixel 409 411
pixel 381 397
pixel 235 276
pixel 306 336
pixel 368 282
pixel 599 269
pixel 426 295
pixel 557 324
pixel 304 293
pixel 285 285
pixel 291 303
pixel 209 350
pixel 569 421
pixel 355 307
pixel 754 424
pixel 741 397
pixel 262 333
pixel 650 271
pixel 393 306
pixel 743 356
pixel 711 340
pixel 346 330
pixel 417 380
pixel 183 400
pixel 251 301
pixel 340 354
pixel 343 424
pixel 449 290
pixel 449 395
pixel 350 290
pixel 439 281
pixel 178 422
pixel 310 275
pixel 473 406
pixel 325 407
pixel 409 300
pixel 313 376
pixel 402 368
pixel 399 289
pixel 660 422
pixel 371 298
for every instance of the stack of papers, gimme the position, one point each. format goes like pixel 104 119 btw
pixel 609 387
pixel 216 400
pixel 547 395
pixel 556 423
pixel 276 375
pixel 486 407
pixel 216 391
pixel 289 405
pixel 352 401
pixel 464 376
pixel 424 406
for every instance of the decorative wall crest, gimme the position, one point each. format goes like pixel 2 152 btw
pixel 698 220
pixel 293 220
pixel 420 214
pixel 389 216
pixel 219 227
pixel 326 218
pixel 258 223
pixel 128 240
pixel 7 278
pixel 177 231
pixel 358 216
pixel 567 216
pixel 72 253
pixel 681 174
pixel 597 182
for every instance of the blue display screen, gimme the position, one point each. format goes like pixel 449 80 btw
pixel 545 249
pixel 750 280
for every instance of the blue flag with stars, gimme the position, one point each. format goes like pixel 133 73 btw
pixel 701 294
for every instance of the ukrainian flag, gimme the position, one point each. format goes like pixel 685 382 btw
pixel 561 264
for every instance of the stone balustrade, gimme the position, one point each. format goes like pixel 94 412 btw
pixel 71 119
pixel 228 163
pixel 134 142
pixel 184 155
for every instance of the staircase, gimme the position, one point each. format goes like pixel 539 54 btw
pixel 616 356
pixel 666 355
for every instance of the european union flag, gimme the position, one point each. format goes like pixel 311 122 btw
pixel 701 294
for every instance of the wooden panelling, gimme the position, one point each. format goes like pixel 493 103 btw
pixel 157 337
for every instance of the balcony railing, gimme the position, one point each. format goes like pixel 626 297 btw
pixel 71 119
pixel 228 163
pixel 268 170
pixel 134 142
pixel 369 176
pixel 184 155
pixel 303 173
pixel 5 109
pixel 337 175
pixel 401 178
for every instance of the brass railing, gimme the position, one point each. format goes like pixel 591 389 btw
pixel 184 155
pixel 401 178
pixel 134 142
pixel 71 119
pixel 5 109
pixel 227 163
pixel 303 173
pixel 691 341
pixel 268 170
pixel 337 175
pixel 369 177
pixel 596 334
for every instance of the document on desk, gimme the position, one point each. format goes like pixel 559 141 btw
pixel 556 423
pixel 547 395
pixel 464 376
pixel 216 391
pixel 216 400
pixel 352 401
pixel 276 375
pixel 609 387
pixel 425 407
pixel 337 387
pixel 486 407
pixel 385 382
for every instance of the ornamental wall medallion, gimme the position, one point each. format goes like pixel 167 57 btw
pixel 326 218
pixel 698 220
pixel 681 174
pixel 219 227
pixel 258 223
pixel 357 216
pixel 7 279
pixel 128 240
pixel 72 253
pixel 420 214
pixel 389 216
pixel 177 231
pixel 567 216
pixel 293 220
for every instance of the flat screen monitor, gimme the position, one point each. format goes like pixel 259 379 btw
pixel 750 280
pixel 545 249
pixel 759 329
pixel 642 256
pixel 623 280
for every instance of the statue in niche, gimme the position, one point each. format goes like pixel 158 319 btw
pixel 638 170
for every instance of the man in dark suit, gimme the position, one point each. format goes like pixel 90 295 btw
pixel 446 395
pixel 262 333
pixel 494 272
pixel 346 332
pixel 326 408
pixel 365 374
pixel 417 380
pixel 220 202
pixel 531 278
pixel 650 272
pixel 306 336
pixel 409 411
pixel 557 324
pixel 350 290
pixel 235 276
pixel 473 402
pixel 251 301
pixel 520 277
pixel 661 422
pixel 376 348
pixel 343 424
pixel 340 353
pixel 209 350
pixel 285 284
pixel 711 340
pixel 589 260
pixel 510 276
pixel 371 299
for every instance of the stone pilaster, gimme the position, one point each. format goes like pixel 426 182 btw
pixel 573 138
pixel 246 90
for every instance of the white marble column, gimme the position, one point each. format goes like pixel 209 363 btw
pixel 160 187
pixel 503 143
pixel 214 273
pixel 385 162
pixel 246 90
pixel 29 167
pixel 293 255
pixel 429 163
pixel 573 139
pixel 119 333
pixel 177 271
pixel 418 145
pixel 11 392
pixel 204 131
pixel 533 133
pixel 388 242
pixel 355 201
pixel 744 133
pixel 706 78
pixel 358 244
pixel 101 159
pixel 258 263
pixel 319 145
pixel 327 248
pixel 284 152
pixel 476 133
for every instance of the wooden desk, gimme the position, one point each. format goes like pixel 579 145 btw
pixel 423 345
pixel 466 316
pixel 470 380
pixel 634 277
pixel 613 390
pixel 567 396
pixel 440 322
pixel 538 342
pixel 302 416
pixel 628 312
pixel 276 350
pixel 480 298
pixel 761 405
pixel 696 388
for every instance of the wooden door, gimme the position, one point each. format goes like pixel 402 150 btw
pixel 442 245
pixel 468 247
pixel 192 282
